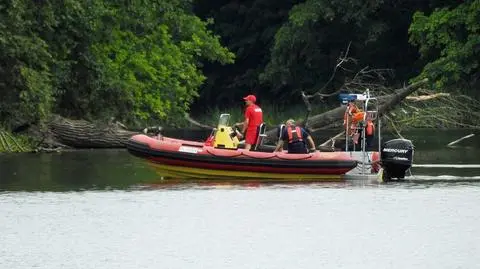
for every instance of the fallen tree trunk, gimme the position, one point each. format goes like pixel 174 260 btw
pixel 388 102
pixel 84 134
pixel 196 123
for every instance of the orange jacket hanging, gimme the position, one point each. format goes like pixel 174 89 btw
pixel 354 115
pixel 351 109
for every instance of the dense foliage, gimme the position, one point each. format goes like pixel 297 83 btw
pixel 133 60
pixel 143 60
pixel 449 39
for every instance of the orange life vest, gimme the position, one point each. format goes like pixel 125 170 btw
pixel 354 115
pixel 297 132
pixel 351 109
pixel 353 122
pixel 357 117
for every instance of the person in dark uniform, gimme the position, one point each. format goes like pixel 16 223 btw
pixel 296 138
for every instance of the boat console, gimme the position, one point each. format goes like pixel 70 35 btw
pixel 225 137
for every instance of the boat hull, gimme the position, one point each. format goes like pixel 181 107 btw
pixel 194 174
pixel 190 160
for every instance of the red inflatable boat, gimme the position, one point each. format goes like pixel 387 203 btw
pixel 189 159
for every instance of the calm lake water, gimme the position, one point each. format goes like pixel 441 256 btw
pixel 106 209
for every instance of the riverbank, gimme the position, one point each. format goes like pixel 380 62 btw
pixel 443 113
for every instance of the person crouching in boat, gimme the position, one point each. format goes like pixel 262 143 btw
pixel 295 136
pixel 251 124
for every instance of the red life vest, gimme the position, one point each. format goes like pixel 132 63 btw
pixel 297 133
pixel 370 127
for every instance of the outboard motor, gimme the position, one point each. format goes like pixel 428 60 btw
pixel 396 158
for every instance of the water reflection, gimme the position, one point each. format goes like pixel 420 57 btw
pixel 116 169
pixel 75 170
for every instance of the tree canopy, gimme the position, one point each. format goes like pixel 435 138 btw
pixel 143 60
pixel 449 41
pixel 133 60
pixel 317 32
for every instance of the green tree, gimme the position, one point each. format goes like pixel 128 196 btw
pixel 449 40
pixel 26 92
pixel 151 62
pixel 133 60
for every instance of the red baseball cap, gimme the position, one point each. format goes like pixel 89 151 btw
pixel 250 97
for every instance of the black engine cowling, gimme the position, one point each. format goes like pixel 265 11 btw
pixel 396 158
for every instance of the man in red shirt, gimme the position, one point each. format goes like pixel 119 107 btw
pixel 253 119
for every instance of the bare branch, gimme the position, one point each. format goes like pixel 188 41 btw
pixel 366 77
pixel 342 59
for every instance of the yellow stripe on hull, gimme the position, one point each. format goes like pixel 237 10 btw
pixel 229 175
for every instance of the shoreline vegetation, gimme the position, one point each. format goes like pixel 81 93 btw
pixel 417 112
pixel 89 74
pixel 14 143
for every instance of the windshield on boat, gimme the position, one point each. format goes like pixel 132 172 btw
pixel 224 119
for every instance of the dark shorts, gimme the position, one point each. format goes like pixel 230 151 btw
pixel 297 147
